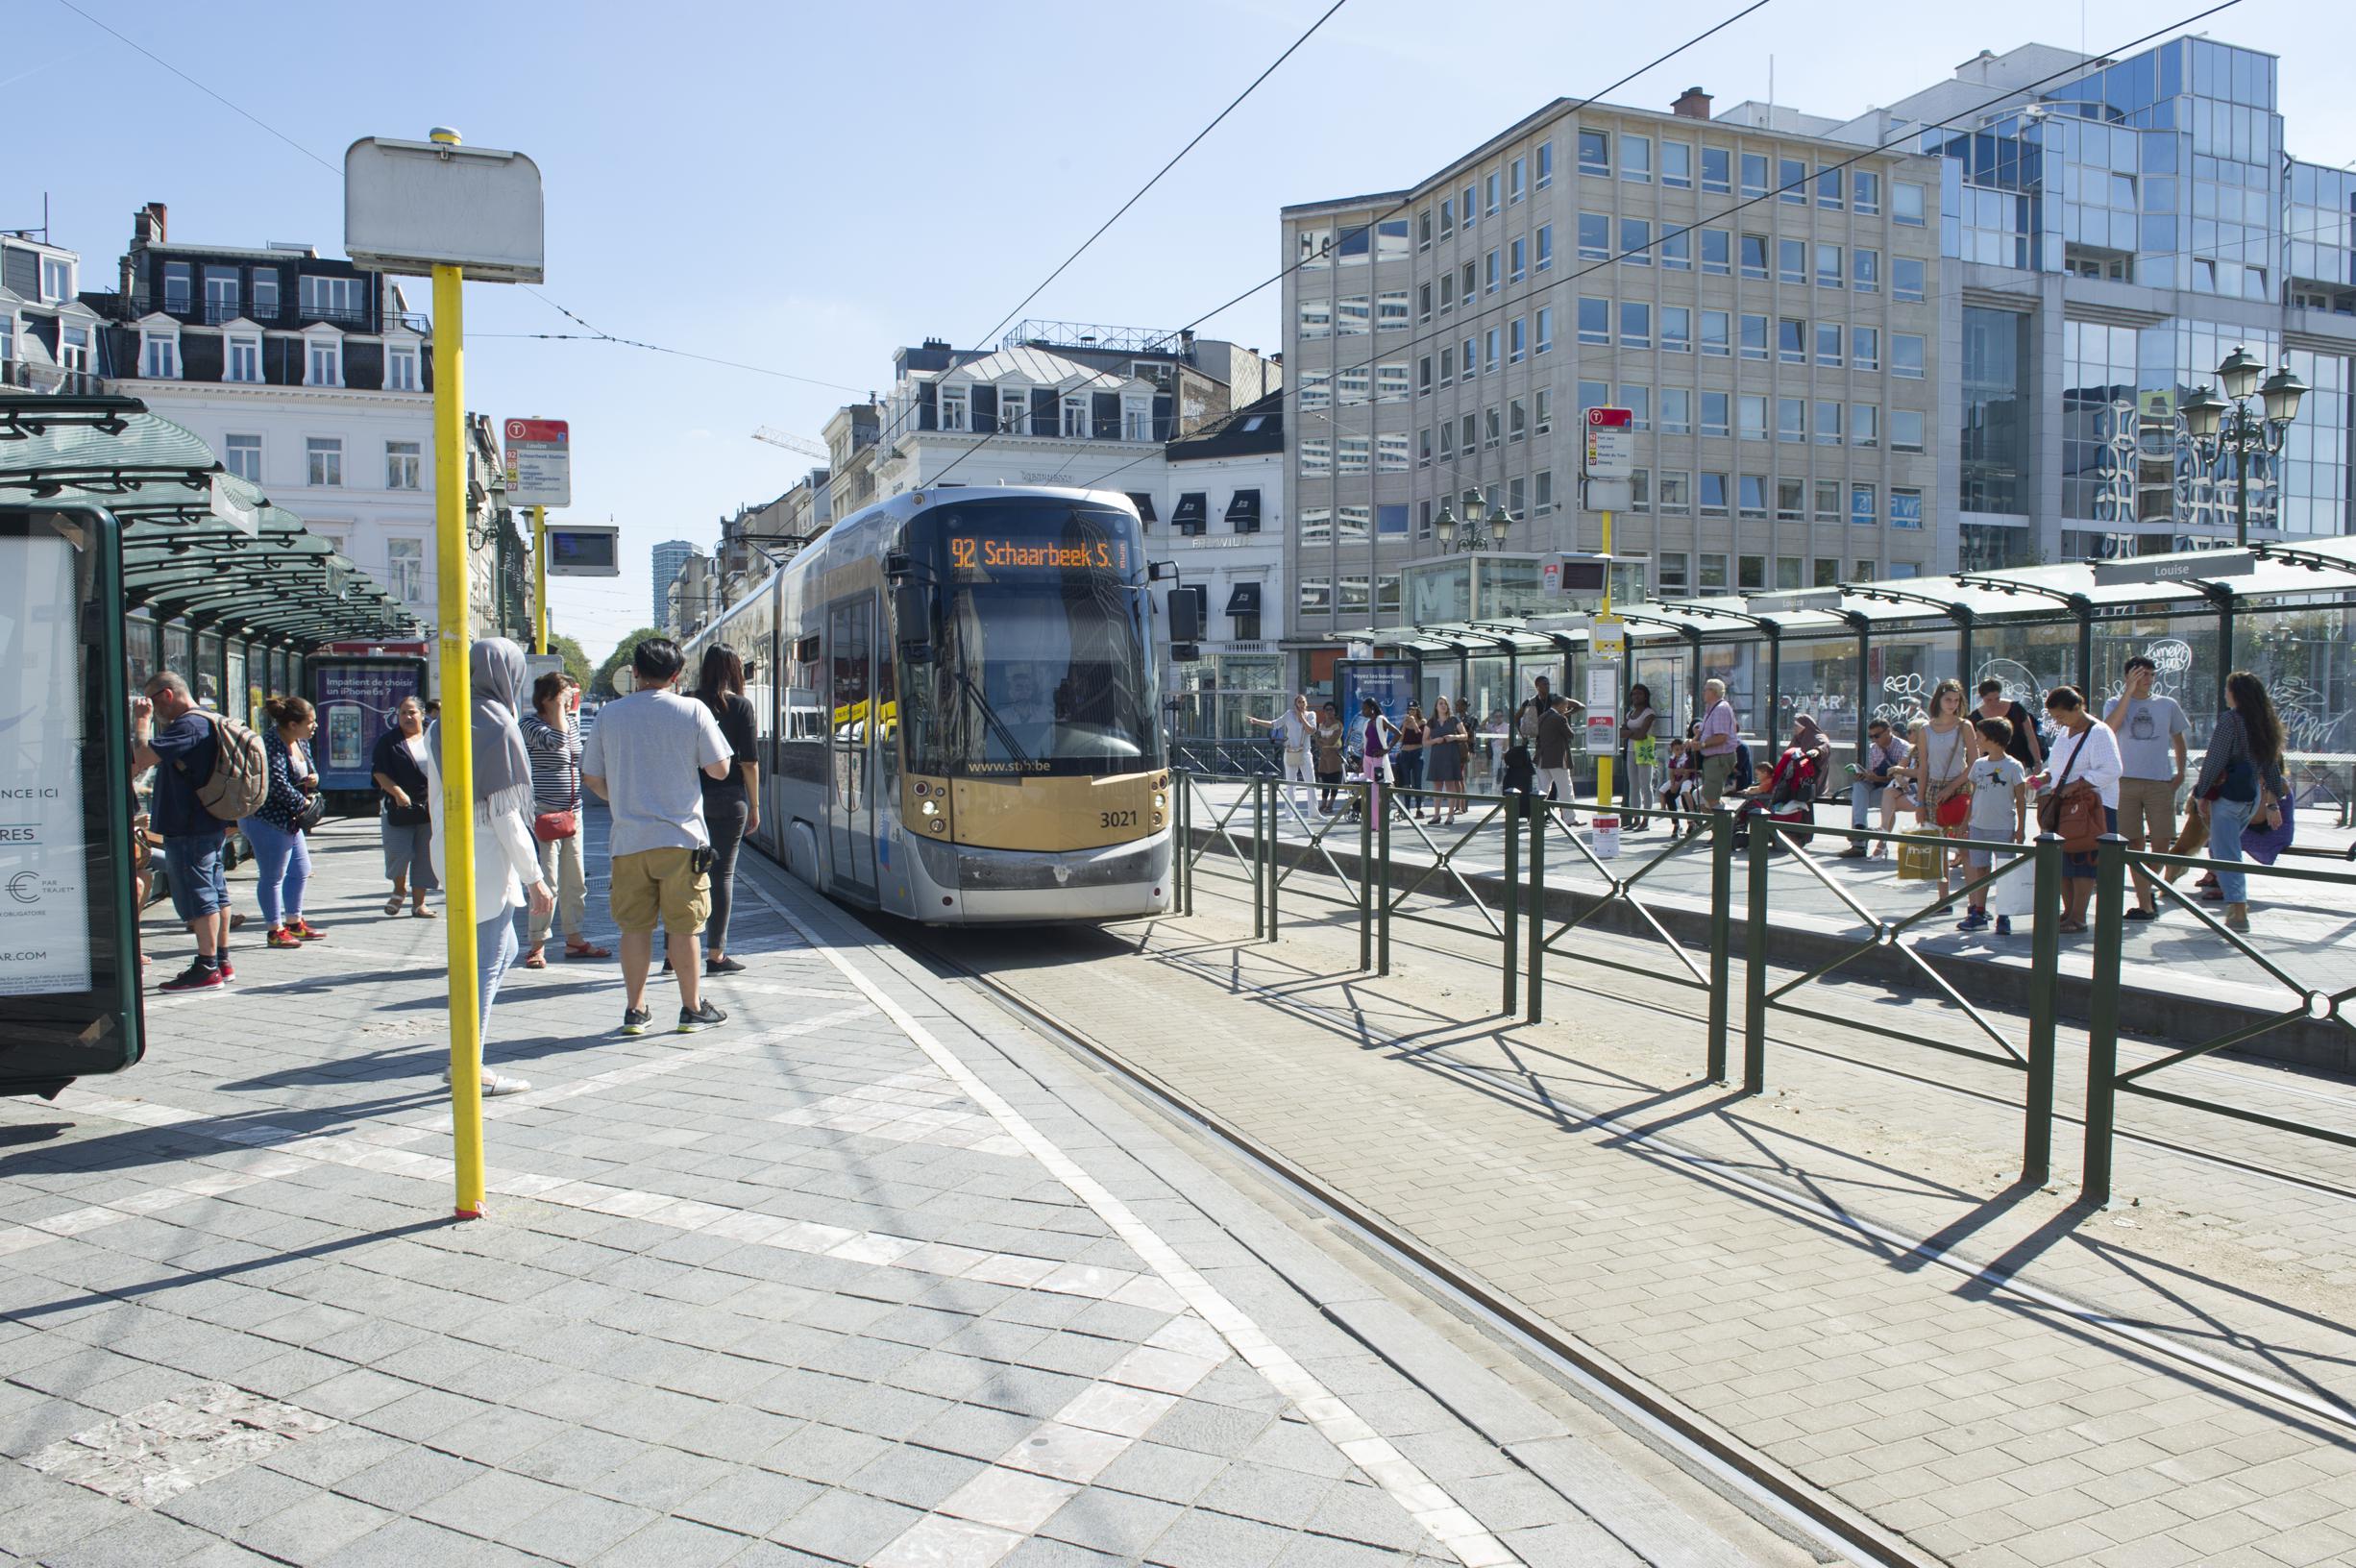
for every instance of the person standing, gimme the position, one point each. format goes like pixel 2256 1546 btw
pixel 282 856
pixel 170 734
pixel 2085 756
pixel 1552 756
pixel 732 803
pixel 2243 761
pixel 2025 747
pixel 638 760
pixel 506 868
pixel 1406 766
pixel 1377 736
pixel 2000 810
pixel 1447 743
pixel 2152 732
pixel 1328 740
pixel 1715 742
pixel 551 734
pixel 1638 756
pixel 1944 745
pixel 1296 733
pixel 406 819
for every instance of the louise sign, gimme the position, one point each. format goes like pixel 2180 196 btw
pixel 539 462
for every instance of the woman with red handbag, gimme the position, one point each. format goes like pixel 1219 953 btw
pixel 2079 796
pixel 551 734
pixel 1944 748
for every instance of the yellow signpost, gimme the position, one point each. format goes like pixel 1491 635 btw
pixel 1595 633
pixel 539 579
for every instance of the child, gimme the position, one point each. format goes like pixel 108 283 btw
pixel 1517 775
pixel 2000 810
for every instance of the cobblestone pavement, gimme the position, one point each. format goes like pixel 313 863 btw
pixel 868 1276
pixel 2302 925
pixel 1842 1272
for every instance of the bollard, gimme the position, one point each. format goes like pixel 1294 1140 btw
pixel 1275 879
pixel 1381 895
pixel 1721 938
pixel 2044 970
pixel 1262 864
pixel 1513 951
pixel 1365 876
pixel 1755 962
pixel 2102 1018
pixel 1539 815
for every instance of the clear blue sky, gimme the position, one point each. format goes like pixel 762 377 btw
pixel 806 187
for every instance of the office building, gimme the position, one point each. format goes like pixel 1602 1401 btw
pixel 669 556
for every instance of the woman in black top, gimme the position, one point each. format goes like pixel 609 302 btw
pixel 408 821
pixel 731 805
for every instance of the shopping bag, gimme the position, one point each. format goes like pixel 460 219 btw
pixel 1920 862
pixel 2016 892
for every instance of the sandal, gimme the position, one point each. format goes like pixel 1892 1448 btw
pixel 2070 927
pixel 423 912
pixel 536 958
pixel 582 947
pixel 392 905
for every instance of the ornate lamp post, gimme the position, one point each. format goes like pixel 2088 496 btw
pixel 2220 427
pixel 1472 535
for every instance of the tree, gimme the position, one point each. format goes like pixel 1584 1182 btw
pixel 575 659
pixel 603 686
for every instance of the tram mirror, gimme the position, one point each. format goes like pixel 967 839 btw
pixel 912 612
pixel 1186 615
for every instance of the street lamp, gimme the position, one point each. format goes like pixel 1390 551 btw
pixel 2220 427
pixel 1484 526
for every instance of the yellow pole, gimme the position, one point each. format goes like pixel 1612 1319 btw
pixel 539 578
pixel 458 734
pixel 1602 765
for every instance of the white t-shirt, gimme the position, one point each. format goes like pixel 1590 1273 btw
pixel 649 749
pixel 1994 781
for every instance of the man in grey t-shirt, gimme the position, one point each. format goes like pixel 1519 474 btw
pixel 2151 733
pixel 640 759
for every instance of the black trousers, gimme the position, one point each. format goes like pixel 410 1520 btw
pixel 725 810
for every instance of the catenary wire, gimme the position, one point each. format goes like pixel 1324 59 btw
pixel 1288 271
pixel 1191 143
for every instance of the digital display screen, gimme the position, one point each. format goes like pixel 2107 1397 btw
pixel 997 555
pixel 582 552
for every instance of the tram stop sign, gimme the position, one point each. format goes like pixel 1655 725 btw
pixel 413 205
pixel 1612 444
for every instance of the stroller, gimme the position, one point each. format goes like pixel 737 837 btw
pixel 1790 797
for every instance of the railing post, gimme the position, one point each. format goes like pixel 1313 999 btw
pixel 2102 1018
pixel 1721 938
pixel 1512 956
pixel 1382 893
pixel 2044 970
pixel 1539 815
pixel 1755 961
pixel 1276 869
pixel 1262 864
pixel 1365 875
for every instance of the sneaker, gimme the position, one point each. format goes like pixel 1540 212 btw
pixel 2004 925
pixel 705 1016
pixel 722 965
pixel 634 1020
pixel 283 937
pixel 195 977
pixel 228 970
pixel 1975 920
pixel 304 929
pixel 2138 913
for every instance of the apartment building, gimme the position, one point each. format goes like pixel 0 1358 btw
pixel 1759 296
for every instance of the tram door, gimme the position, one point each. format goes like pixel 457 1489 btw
pixel 850 806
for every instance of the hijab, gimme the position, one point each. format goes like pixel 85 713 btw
pixel 502 768
pixel 1805 736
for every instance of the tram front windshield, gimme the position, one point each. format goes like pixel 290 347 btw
pixel 1045 664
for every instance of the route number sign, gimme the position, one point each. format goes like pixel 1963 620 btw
pixel 1612 444
pixel 539 462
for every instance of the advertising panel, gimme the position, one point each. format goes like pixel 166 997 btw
pixel 44 847
pixel 1390 682
pixel 357 700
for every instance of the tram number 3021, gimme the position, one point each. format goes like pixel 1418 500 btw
pixel 1116 818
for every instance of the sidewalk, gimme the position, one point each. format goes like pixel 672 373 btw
pixel 867 1276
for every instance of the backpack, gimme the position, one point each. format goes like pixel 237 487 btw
pixel 240 780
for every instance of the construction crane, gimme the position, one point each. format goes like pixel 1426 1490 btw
pixel 791 443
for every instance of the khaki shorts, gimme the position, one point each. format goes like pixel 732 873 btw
pixel 659 886
pixel 2148 811
pixel 1716 769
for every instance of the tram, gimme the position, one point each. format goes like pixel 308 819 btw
pixel 956 701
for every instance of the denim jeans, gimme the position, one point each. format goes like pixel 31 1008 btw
pixel 2228 820
pixel 1863 797
pixel 495 951
pixel 283 867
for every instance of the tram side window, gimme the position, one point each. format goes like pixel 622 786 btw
pixel 805 712
pixel 853 712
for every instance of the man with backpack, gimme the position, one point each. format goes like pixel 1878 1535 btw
pixel 210 772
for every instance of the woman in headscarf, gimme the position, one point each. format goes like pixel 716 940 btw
pixel 1788 792
pixel 507 864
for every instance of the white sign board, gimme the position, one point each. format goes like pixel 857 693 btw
pixel 1608 639
pixel 539 462
pixel 1603 710
pixel 1611 452
pixel 44 860
pixel 413 205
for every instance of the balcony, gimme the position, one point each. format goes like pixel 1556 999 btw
pixel 355 314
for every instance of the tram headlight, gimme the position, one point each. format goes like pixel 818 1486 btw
pixel 1161 802
pixel 930 807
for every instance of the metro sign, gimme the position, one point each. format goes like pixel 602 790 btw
pixel 1612 444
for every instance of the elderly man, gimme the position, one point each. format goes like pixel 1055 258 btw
pixel 170 733
pixel 1717 740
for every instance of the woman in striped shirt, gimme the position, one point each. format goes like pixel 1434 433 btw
pixel 551 735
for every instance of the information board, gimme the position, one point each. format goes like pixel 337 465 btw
pixel 44 849
pixel 539 462
pixel 358 699
pixel 1612 444
pixel 1602 709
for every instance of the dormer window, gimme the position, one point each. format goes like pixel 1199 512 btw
pixel 953 405
pixel 1137 418
pixel 160 355
pixel 1013 410
pixel 1076 416
pixel 57 279
pixel 323 362
pixel 74 350
pixel 241 358
pixel 400 368
pixel 178 283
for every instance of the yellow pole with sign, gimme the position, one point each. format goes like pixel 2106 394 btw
pixel 539 578
pixel 457 730
pixel 1602 764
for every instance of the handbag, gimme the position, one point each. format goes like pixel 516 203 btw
pixel 553 826
pixel 2015 894
pixel 1920 863
pixel 2073 815
pixel 1954 809
pixel 314 811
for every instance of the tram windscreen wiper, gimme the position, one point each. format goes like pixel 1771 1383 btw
pixel 990 716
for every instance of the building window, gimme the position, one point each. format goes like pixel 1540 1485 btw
pixel 1137 414
pixel 1515 340
pixel 1714 327
pixel 1594 237
pixel 1513 181
pixel 1471 210
pixel 1865 191
pixel 1546 165
pixel 1907 355
pixel 330 298
pixel 241 455
pixel 1423 377
pixel 324 364
pixel 1390 239
pixel 1391 311
pixel 1791 500
pixel 1751 574
pixel 1828 266
pixel 1447 216
pixel 1676 165
pixel 1865 271
pixel 1594 320
pixel 220 295
pixel 1792 260
pixel 404 465
pixel 1354 454
pixel 58 281
pixel 1516 254
pixel 1389 383
pixel 1353 384
pixel 1641 490
pixel 1905 430
pixel 326 454
pixel 1356 317
pixel 1754 338
pixel 8 336
pixel 1315 595
pixel 1076 417
pixel 404 562
pixel 1542 490
pixel 1636 242
pixel 1316 319
pixel 1907 204
pixel 1752 496
pixel 1468 285
pixel 1636 324
pixel 1546 329
pixel 1546 410
pixel 1677 249
pixel 1712 578
pixel 1828 424
pixel 178 287
pixel 401 366
pixel 1638 402
pixel 265 293
pixel 1316 455
pixel 1492 429
pixel 1789 571
pixel 1676 490
pixel 1907 278
pixel 1423 230
pixel 1423 448
pixel 1865 347
pixel 1676 411
pixel 1717 163
pixel 1717 252
pixel 1905 508
pixel 1489 186
pixel 1355 244
pixel 1713 495
pixel 1754 256
pixel 1676 329
pixel 1488 359
pixel 1714 413
pixel 1546 247
pixel 1595 152
pixel 1636 159
pixel 1827 501
pixel 1754 174
pixel 1865 424
pixel 953 409
pixel 1792 341
pixel 1828 343
pixel 1751 409
pixel 1863 506
pixel 159 357
pixel 1791 419
pixel 74 350
pixel 1828 188
pixel 242 361
pixel 1492 267
pixel 1792 181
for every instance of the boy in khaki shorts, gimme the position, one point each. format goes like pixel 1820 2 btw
pixel 642 759
pixel 2151 732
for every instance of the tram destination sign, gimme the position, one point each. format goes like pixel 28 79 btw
pixel 539 462
pixel 995 553
pixel 2195 566
pixel 1612 444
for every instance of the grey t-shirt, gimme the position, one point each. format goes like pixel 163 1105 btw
pixel 2144 748
pixel 649 749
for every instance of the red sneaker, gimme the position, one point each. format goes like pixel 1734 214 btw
pixel 304 929
pixel 195 977
pixel 283 936
pixel 228 970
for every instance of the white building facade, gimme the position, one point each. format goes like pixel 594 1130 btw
pixel 1219 518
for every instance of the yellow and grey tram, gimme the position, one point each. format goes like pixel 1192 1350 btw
pixel 957 701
